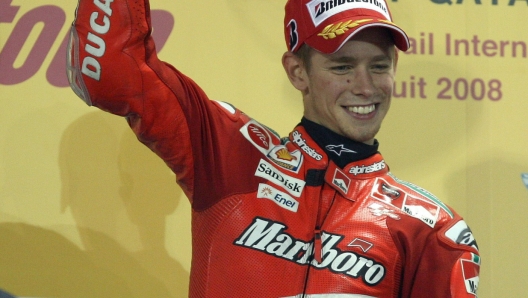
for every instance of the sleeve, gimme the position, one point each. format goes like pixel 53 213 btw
pixel 112 64
pixel 465 271
pixel 447 266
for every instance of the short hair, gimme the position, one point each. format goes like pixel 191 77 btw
pixel 305 55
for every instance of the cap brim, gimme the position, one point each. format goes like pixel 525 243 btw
pixel 334 36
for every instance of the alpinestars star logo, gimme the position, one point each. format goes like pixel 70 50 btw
pixel 338 149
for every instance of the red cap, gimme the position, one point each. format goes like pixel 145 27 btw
pixel 326 25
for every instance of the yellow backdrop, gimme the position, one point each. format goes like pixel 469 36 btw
pixel 86 211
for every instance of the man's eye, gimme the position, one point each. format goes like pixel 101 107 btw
pixel 341 68
pixel 381 67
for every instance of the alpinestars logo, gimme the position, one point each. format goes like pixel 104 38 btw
pixel 338 149
pixel 269 237
pixel 298 139
pixel 368 169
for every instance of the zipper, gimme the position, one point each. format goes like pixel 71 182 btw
pixel 326 202
pixel 321 218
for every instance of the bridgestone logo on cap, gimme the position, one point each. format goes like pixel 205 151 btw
pixel 320 10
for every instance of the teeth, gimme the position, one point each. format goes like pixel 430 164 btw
pixel 362 110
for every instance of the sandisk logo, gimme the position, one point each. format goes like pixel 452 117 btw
pixel 269 237
pixel 100 25
pixel 293 185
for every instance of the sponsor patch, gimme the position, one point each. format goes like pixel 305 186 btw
pixel 362 244
pixel 460 233
pixel 423 210
pixel 424 193
pixel 470 271
pixel 320 10
pixel 386 192
pixel 294 35
pixel 341 180
pixel 375 167
pixel 278 197
pixel 270 237
pixel 289 160
pixel 258 136
pixel 292 185
pixel 298 139
pixel 339 149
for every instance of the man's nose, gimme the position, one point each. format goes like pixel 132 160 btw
pixel 361 83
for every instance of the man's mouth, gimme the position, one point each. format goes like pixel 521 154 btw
pixel 362 110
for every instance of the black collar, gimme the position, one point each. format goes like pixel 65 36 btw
pixel 340 150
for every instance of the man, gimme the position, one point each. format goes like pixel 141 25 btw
pixel 315 214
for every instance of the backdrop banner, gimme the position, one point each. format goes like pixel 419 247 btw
pixel 87 211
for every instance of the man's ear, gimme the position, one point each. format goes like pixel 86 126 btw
pixel 296 71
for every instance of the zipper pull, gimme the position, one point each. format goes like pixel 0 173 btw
pixel 318 246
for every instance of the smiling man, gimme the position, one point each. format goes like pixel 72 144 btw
pixel 348 91
pixel 313 214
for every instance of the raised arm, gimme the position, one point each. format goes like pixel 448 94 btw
pixel 112 64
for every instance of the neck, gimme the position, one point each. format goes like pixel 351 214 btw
pixel 339 149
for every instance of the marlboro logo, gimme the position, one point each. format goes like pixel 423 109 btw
pixel 270 237
pixel 341 180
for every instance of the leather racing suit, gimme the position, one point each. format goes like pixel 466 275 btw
pixel 271 217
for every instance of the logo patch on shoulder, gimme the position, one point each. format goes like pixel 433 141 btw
pixel 258 136
pixel 386 192
pixel 460 233
pixel 421 209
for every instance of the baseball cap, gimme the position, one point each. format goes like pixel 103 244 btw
pixel 326 25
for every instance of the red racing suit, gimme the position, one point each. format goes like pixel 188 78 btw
pixel 270 217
